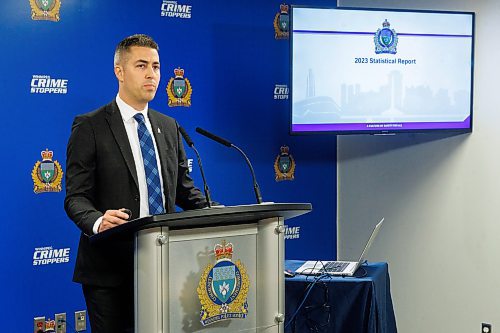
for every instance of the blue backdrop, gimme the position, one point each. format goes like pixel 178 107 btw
pixel 235 64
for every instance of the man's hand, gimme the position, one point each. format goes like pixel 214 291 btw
pixel 113 218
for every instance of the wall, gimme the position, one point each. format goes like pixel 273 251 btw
pixel 439 194
pixel 234 63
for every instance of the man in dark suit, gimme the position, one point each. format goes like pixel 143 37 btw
pixel 123 156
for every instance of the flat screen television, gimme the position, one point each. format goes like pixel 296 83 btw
pixel 377 71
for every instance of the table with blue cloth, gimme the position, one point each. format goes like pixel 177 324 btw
pixel 359 304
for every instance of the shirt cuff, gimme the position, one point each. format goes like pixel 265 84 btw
pixel 97 224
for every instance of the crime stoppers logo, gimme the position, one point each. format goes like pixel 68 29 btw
pixel 292 232
pixel 281 91
pixel 44 84
pixel 223 288
pixel 49 256
pixel 174 9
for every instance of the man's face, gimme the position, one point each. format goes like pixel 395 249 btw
pixel 138 73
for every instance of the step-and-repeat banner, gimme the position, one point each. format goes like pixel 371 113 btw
pixel 232 57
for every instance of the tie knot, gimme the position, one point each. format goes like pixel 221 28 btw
pixel 139 117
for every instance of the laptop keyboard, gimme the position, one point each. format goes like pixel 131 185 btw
pixel 334 267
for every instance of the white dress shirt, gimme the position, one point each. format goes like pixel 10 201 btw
pixel 127 112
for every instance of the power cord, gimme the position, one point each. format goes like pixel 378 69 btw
pixel 318 315
pixel 304 298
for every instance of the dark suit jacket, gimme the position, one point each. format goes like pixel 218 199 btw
pixel 101 175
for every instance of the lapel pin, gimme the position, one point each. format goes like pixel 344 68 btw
pixel 159 132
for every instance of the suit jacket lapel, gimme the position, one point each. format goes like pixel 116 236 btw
pixel 115 122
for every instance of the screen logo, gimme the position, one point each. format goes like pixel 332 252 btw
pixel 223 288
pixel 386 39
pixel 46 10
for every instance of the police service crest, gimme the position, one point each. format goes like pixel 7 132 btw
pixel 47 10
pixel 223 288
pixel 284 165
pixel 386 39
pixel 179 89
pixel 47 174
pixel 282 23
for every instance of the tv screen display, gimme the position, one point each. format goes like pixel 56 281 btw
pixel 380 71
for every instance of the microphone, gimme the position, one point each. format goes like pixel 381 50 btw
pixel 190 143
pixel 214 137
pixel 229 144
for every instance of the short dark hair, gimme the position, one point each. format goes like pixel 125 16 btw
pixel 134 40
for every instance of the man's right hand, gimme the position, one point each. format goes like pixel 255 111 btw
pixel 113 218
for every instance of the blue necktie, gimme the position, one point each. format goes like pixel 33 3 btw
pixel 155 199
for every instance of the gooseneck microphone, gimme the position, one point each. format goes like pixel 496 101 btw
pixel 190 143
pixel 214 137
pixel 229 144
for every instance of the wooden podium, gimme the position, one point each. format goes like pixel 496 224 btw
pixel 210 270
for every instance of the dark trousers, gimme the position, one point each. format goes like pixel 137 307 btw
pixel 110 309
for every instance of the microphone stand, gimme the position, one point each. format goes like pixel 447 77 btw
pixel 256 188
pixel 226 143
pixel 205 184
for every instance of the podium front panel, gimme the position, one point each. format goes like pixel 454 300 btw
pixel 212 279
pixel 193 277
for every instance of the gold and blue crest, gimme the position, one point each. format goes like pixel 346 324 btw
pixel 47 10
pixel 282 23
pixel 386 39
pixel 179 89
pixel 223 288
pixel 47 174
pixel 284 165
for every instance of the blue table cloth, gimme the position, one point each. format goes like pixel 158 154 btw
pixel 359 304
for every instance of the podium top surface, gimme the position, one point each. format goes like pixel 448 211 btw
pixel 207 217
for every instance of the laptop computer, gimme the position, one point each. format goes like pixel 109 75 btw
pixel 342 268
